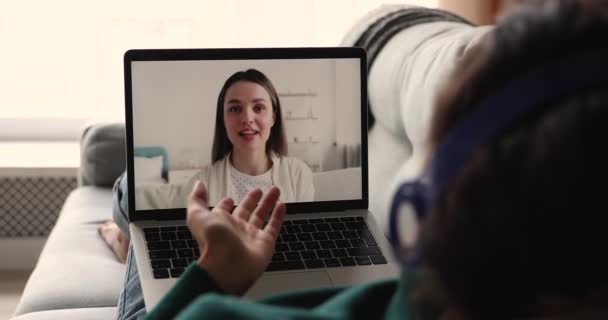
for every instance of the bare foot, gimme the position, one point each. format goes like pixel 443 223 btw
pixel 115 239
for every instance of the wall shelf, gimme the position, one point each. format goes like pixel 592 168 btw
pixel 297 94
pixel 301 118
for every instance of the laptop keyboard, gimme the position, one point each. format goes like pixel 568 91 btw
pixel 302 244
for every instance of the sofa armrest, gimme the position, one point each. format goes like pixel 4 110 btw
pixel 102 154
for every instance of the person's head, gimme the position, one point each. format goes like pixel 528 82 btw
pixel 521 225
pixel 248 116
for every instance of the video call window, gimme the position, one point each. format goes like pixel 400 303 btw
pixel 240 124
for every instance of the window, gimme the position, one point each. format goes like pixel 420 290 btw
pixel 62 60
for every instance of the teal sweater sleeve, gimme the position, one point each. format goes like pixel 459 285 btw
pixel 193 283
pixel 197 296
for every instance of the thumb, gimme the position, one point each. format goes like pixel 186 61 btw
pixel 199 194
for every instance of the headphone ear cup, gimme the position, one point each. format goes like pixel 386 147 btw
pixel 416 194
pixel 419 199
pixel 407 210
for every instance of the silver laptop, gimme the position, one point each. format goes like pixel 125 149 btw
pixel 181 108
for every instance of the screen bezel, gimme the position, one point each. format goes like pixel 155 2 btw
pixel 136 55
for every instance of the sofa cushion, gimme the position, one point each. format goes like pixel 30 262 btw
pixel 409 69
pixel 325 184
pixel 102 313
pixel 102 155
pixel 379 26
pixel 387 154
pixel 76 269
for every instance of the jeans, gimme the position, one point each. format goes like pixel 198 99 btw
pixel 131 301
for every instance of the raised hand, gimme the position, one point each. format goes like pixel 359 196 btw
pixel 235 245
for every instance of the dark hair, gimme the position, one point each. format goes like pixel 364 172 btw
pixel 525 217
pixel 276 141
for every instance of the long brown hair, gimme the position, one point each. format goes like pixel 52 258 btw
pixel 276 143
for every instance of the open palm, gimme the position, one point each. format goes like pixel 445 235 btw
pixel 236 245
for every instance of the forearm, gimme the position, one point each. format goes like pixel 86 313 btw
pixel 193 283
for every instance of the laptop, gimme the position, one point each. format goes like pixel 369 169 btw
pixel 172 96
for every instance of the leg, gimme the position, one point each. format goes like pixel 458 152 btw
pixel 131 301
pixel 120 205
pixel 116 233
pixel 115 239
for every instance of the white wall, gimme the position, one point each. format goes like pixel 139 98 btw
pixel 80 74
pixel 174 106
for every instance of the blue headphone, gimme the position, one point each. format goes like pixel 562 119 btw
pixel 494 114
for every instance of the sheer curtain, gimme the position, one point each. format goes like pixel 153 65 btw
pixel 62 59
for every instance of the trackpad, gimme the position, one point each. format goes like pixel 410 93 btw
pixel 270 284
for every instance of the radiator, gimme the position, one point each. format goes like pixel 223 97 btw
pixel 31 199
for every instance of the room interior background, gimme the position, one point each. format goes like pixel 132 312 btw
pixel 62 67
pixel 174 107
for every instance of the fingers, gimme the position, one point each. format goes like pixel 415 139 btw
pixel 225 205
pixel 198 196
pixel 261 213
pixel 248 204
pixel 276 220
pixel 197 203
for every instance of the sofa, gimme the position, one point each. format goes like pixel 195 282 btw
pixel 411 51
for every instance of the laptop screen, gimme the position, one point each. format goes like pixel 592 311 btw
pixel 238 124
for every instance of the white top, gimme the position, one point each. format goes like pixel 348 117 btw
pixel 241 183
pixel 291 175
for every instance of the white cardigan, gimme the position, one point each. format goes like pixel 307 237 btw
pixel 291 175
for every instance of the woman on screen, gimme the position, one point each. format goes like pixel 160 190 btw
pixel 249 145
pixel 249 150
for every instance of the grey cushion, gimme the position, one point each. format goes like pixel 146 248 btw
pixel 76 269
pixel 403 82
pixel 102 155
pixel 103 313
pixel 387 153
